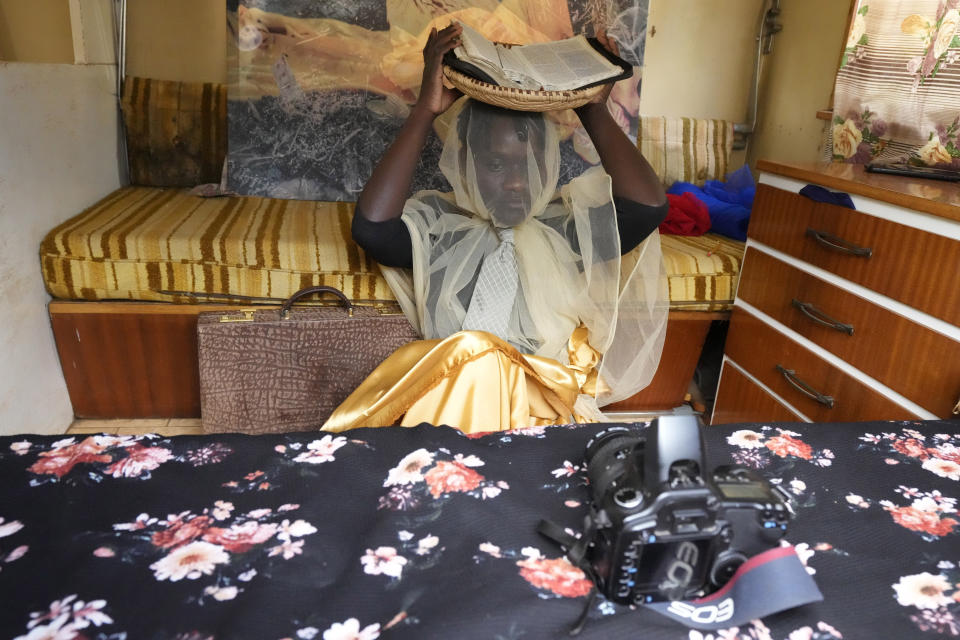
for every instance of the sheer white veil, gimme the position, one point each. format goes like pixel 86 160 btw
pixel 567 251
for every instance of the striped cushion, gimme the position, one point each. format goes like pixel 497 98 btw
pixel 143 243
pixel 176 131
pixel 702 271
pixel 686 149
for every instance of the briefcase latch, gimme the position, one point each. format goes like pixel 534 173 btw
pixel 246 315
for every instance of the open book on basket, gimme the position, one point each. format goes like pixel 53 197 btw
pixel 574 63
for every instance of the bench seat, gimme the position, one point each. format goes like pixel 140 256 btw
pixel 164 245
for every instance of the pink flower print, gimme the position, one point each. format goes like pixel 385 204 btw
pixel 350 630
pixel 383 561
pixel 9 528
pixel 61 460
pixel 287 549
pixel 785 445
pixel 240 538
pixel 321 450
pixel 87 613
pixel 58 609
pixel 911 447
pixel 190 561
pixel 928 522
pixel 142 522
pixel 139 459
pixel 296 529
pixel 17 553
pixel 568 469
pixel 943 468
pixel 179 531
pixel 20 448
pixel 449 477
pixel 557 575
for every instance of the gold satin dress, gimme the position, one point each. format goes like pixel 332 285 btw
pixel 474 381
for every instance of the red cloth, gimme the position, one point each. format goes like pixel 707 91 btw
pixel 688 216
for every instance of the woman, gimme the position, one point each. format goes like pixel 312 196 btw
pixel 518 289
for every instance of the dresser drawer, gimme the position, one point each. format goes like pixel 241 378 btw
pixel 760 350
pixel 739 399
pixel 921 364
pixel 915 267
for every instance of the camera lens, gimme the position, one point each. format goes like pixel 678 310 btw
pixel 601 438
pixel 607 461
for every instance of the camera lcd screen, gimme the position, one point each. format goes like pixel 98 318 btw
pixel 743 491
pixel 666 564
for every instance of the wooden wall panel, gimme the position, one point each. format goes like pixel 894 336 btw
pixel 139 360
pixel 129 366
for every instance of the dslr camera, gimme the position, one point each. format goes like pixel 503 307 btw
pixel 661 527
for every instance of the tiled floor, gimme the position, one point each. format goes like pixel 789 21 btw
pixel 191 426
pixel 162 426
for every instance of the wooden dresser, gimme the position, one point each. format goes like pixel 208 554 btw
pixel 844 315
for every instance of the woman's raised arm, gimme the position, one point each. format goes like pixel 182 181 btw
pixel 633 177
pixel 388 188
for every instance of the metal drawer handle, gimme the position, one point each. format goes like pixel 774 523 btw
pixel 791 377
pixel 807 309
pixel 831 241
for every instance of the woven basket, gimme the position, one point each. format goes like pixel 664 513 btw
pixel 520 99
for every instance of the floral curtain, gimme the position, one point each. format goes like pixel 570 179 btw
pixel 897 95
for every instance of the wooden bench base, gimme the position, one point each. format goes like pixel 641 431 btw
pixel 139 359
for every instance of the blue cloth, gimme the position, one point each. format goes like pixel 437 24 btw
pixel 728 202
pixel 820 194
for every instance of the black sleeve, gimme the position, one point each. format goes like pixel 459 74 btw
pixel 386 242
pixel 636 221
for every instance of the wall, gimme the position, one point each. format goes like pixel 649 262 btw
pixel 698 58
pixel 35 31
pixel 699 63
pixel 58 133
pixel 798 81
pixel 177 40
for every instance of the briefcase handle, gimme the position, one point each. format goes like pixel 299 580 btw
pixel 285 308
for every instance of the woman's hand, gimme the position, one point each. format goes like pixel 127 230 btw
pixel 632 176
pixel 387 189
pixel 434 97
pixel 601 98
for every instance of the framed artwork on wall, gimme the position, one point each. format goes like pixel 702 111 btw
pixel 318 90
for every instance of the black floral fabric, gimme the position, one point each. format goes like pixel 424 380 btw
pixel 427 533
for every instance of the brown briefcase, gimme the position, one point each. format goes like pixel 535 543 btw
pixel 287 369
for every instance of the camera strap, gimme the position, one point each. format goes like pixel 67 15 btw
pixel 767 583
pixel 576 553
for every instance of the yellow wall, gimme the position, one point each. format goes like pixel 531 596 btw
pixel 698 58
pixel 798 80
pixel 35 31
pixel 699 63
pixel 177 39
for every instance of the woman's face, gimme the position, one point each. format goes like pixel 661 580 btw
pixel 502 171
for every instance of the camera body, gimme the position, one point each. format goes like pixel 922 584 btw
pixel 665 528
